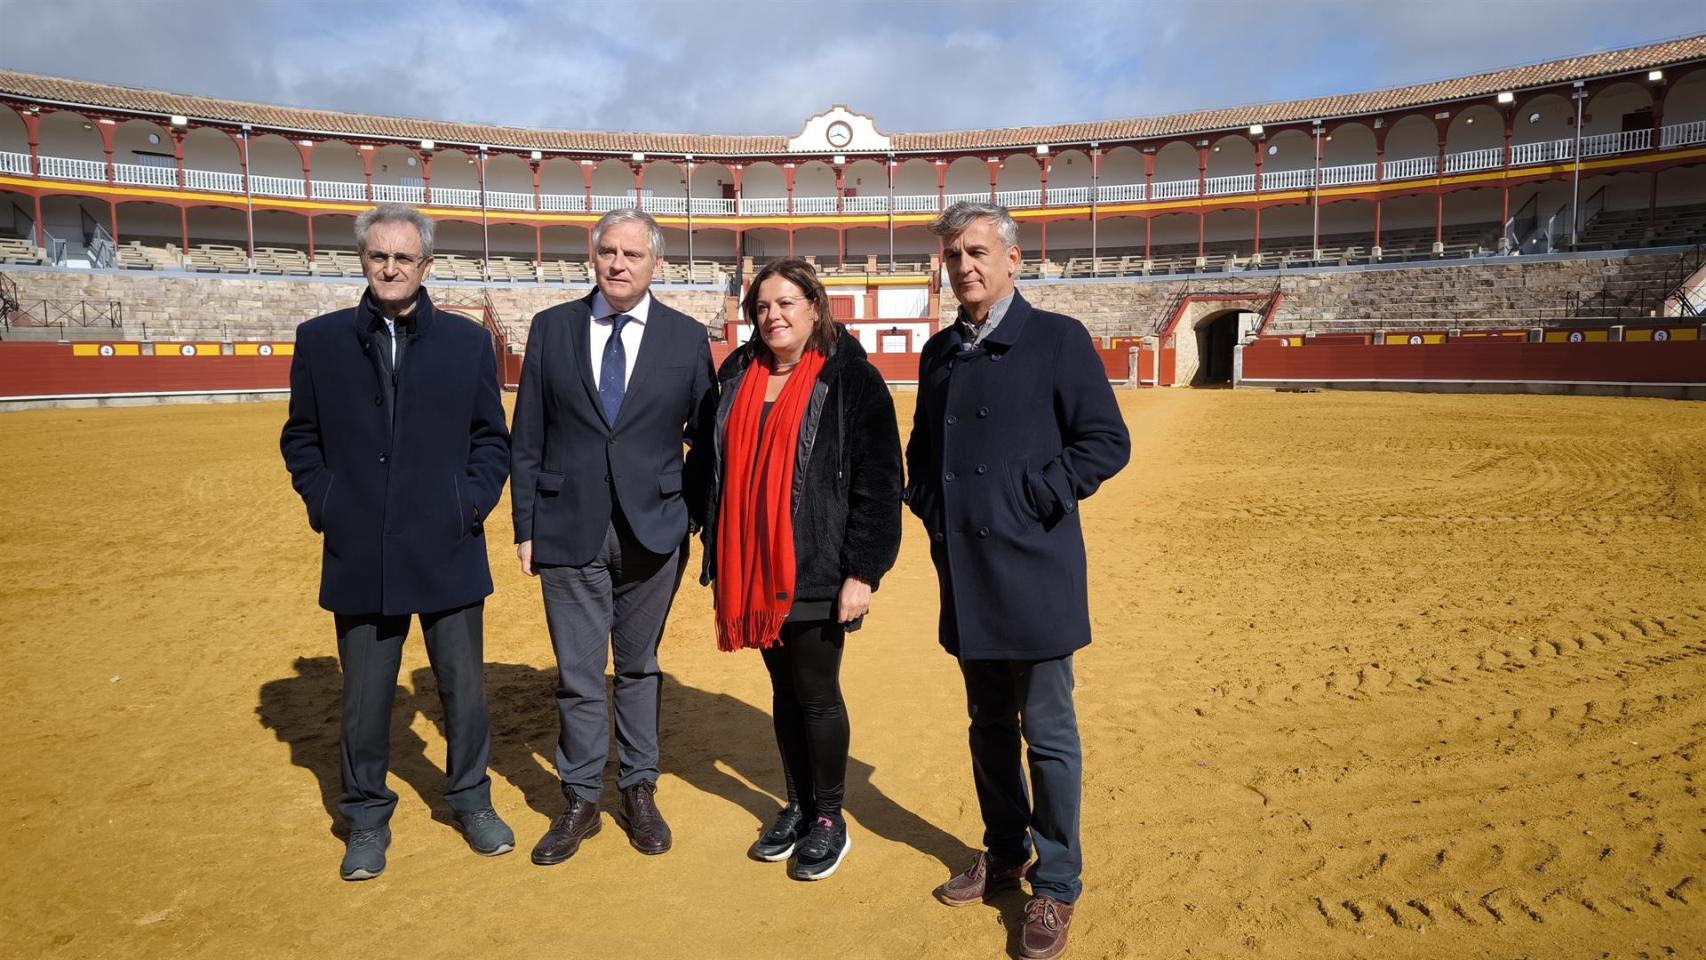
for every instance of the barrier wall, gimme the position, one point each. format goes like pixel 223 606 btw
pixel 1647 367
pixel 115 369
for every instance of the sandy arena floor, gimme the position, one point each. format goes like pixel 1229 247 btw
pixel 1375 676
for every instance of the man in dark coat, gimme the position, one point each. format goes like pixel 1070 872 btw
pixel 610 387
pixel 1016 424
pixel 396 443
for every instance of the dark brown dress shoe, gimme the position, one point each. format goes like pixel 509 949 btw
pixel 985 876
pixel 1046 922
pixel 639 814
pixel 579 821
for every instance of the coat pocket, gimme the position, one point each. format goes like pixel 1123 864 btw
pixel 548 482
pixel 669 483
pixel 1018 498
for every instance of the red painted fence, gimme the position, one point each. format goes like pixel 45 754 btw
pixel 1489 361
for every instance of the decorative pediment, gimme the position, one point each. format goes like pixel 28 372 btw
pixel 839 130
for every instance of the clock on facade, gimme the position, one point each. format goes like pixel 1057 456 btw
pixel 839 134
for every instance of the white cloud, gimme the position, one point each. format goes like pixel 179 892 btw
pixel 749 66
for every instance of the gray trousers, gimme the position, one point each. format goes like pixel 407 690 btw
pixel 370 648
pixel 1007 699
pixel 616 603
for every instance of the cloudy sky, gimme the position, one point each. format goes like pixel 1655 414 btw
pixel 763 66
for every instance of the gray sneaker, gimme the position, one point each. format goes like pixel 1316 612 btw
pixel 486 832
pixel 364 855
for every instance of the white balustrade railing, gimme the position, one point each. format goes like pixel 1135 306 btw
pixel 1546 151
pixel 1488 158
pixel 1624 141
pixel 1236 183
pixel 455 197
pixel 916 203
pixel 214 181
pixel 1019 198
pixel 395 193
pixel 278 187
pixel 713 207
pixel 877 204
pixel 814 205
pixel 66 168
pixel 1682 134
pixel 339 190
pixel 1522 154
pixel 1068 196
pixel 1173 189
pixel 604 204
pixel 1408 168
pixel 763 206
pixel 1347 174
pixel 563 202
pixel 1287 179
pixel 1122 193
pixel 145 176
pixel 508 200
pixel 668 206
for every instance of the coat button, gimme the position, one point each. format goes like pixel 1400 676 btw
pixel 948 477
pixel 952 419
pixel 982 532
pixel 938 536
pixel 384 457
pixel 983 411
pixel 995 357
pixel 981 469
pixel 378 401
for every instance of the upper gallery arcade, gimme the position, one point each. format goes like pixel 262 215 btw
pixel 1504 152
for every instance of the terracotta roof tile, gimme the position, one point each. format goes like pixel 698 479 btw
pixel 24 86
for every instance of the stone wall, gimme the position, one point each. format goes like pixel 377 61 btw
pixel 1502 292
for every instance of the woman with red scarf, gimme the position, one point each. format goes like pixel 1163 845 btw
pixel 803 474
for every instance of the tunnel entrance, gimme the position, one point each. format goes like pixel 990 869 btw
pixel 1216 336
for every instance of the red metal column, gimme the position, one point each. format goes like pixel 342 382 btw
pixel 1148 197
pixel 106 132
pixel 310 219
pixel 183 227
pixel 1202 190
pixel 538 244
pixel 178 154
pixel 426 179
pixel 112 214
pixel 840 190
pixel 788 185
pixel 1505 182
pixel 941 185
pixel 32 129
pixel 537 203
pixel 367 174
pixel 1653 186
pixel 306 148
pixel 994 177
pixel 1379 178
pixel 1439 188
pixel 586 181
pixel 1044 244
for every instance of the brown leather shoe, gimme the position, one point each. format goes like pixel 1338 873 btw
pixel 579 821
pixel 985 876
pixel 639 815
pixel 1046 922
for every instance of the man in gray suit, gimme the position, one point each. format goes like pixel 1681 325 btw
pixel 610 386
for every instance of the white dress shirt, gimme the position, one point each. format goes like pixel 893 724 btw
pixel 603 321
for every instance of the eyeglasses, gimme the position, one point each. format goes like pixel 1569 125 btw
pixel 404 260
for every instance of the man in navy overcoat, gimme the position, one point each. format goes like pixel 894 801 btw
pixel 1016 424
pixel 397 445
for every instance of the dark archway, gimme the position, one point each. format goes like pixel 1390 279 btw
pixel 1217 335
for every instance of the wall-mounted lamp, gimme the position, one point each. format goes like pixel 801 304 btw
pixel 1655 76
pixel 1256 130
pixel 1042 149
pixel 535 155
pixel 1506 97
pixel 428 146
pixel 637 157
pixel 180 121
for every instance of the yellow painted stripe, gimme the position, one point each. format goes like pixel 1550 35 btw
pixel 1489 177
pixel 1686 333
pixel 247 349
pixel 85 349
pixel 127 349
pixel 1637 336
pixel 916 280
pixel 177 349
pixel 117 349
pixel 1588 336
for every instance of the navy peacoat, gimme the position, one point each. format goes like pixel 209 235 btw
pixel 1008 437
pixel 401 500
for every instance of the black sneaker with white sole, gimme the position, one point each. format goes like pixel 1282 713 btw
pixel 778 841
pixel 822 851
pixel 364 854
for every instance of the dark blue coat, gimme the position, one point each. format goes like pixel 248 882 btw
pixel 568 462
pixel 402 504
pixel 1007 439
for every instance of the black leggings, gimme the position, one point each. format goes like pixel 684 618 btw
pixel 811 718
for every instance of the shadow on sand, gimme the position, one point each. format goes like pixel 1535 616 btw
pixel 704 735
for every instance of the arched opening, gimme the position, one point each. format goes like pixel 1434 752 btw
pixel 1618 107
pixel 764 245
pixel 218 240
pixel 512 252
pixel 1069 179
pixel 915 186
pixel 338 172
pixel 273 158
pixel 1412 137
pixel 1685 97
pixel 713 191
pixel 1217 335
pixel 665 186
pixel 764 189
pixel 865 187
pixel 1472 128
pixel 968 179
pixel 1123 166
pixel 69 147
pixel 144 154
pixel 562 185
pixel 565 254
pixel 398 176
pixel 69 220
pixel 820 245
pixel 1176 172
pixel 814 188
pixel 211 161
pixel 612 186
pixel 1021 181
pixel 14 138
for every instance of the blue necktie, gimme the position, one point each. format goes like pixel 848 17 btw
pixel 614 370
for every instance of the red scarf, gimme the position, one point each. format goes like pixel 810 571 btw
pixel 755 524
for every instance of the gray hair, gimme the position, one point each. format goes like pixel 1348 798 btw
pixel 394 213
pixel 629 215
pixel 959 217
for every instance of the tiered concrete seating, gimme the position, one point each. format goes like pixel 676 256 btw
pixel 136 255
pixel 18 251
pixel 512 269
pixel 282 260
pixel 216 258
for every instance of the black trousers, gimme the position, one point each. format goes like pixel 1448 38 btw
pixel 370 648
pixel 810 715
pixel 1008 699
